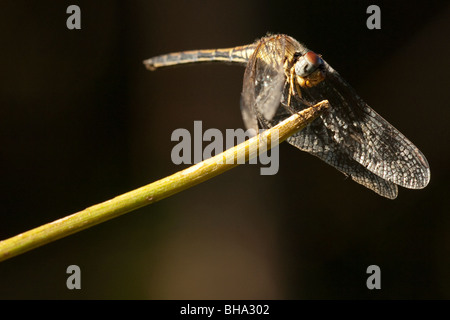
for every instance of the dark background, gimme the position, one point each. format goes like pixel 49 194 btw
pixel 81 121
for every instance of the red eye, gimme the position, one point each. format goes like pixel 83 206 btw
pixel 313 58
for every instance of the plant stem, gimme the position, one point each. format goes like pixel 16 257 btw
pixel 158 190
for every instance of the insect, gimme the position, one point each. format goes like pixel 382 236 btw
pixel 283 77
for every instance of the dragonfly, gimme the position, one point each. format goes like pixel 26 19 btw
pixel 283 77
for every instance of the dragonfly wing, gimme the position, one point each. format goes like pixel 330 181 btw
pixel 313 139
pixel 365 136
pixel 316 140
pixel 263 81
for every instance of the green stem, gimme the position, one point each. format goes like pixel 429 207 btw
pixel 157 190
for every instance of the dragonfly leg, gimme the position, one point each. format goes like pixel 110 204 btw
pixel 291 86
pixel 294 90
pixel 298 89
pixel 263 121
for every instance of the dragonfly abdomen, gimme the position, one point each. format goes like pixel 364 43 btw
pixel 239 55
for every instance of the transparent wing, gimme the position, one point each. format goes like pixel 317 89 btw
pixel 263 81
pixel 316 140
pixel 356 132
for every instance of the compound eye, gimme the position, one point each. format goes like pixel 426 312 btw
pixel 313 59
pixel 307 64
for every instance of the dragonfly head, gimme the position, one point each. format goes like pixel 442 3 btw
pixel 310 68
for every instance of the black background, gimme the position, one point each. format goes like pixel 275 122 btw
pixel 81 121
